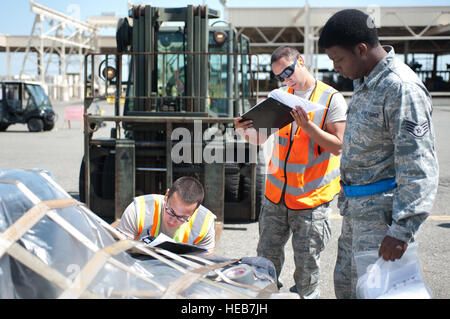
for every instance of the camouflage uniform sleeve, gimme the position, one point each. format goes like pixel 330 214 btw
pixel 409 122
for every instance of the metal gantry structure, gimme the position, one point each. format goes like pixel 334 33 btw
pixel 54 33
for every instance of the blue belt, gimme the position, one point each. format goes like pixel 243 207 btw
pixel 369 189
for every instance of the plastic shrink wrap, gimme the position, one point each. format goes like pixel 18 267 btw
pixel 52 246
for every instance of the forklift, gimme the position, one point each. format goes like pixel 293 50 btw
pixel 182 81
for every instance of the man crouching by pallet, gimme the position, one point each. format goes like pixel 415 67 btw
pixel 177 214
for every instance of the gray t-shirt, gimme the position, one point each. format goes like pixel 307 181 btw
pixel 337 109
pixel 128 226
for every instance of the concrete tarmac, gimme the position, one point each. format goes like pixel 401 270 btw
pixel 60 151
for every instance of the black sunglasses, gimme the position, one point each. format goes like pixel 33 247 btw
pixel 287 72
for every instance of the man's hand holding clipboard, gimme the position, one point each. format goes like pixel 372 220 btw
pixel 278 110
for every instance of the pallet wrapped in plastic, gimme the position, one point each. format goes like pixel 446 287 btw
pixel 52 246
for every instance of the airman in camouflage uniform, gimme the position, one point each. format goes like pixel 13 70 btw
pixel 310 231
pixel 389 136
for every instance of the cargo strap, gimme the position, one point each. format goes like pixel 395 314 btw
pixel 369 189
pixel 185 281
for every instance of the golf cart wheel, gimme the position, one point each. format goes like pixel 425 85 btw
pixel 49 127
pixel 3 127
pixel 35 124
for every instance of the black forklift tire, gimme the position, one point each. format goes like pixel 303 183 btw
pixel 3 127
pixel 246 185
pixel 108 182
pixel 35 124
pixel 232 176
pixel 97 179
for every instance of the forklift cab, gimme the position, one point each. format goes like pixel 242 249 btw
pixel 25 102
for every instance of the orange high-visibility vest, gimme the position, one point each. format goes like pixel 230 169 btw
pixel 302 171
pixel 149 209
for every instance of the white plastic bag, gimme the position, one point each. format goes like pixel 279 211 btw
pixel 400 279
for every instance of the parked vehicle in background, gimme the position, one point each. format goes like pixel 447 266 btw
pixel 25 102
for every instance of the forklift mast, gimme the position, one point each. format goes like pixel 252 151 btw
pixel 186 62
pixel 182 74
pixel 147 36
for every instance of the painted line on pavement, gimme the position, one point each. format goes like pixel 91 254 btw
pixel 432 217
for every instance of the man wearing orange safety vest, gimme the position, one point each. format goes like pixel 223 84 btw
pixel 303 173
pixel 177 214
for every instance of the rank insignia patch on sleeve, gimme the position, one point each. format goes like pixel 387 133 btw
pixel 416 130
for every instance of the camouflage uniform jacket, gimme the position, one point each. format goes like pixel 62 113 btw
pixel 389 133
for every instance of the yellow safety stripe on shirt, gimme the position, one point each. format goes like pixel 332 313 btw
pixel 204 229
pixel 155 226
pixel 307 187
pixel 140 215
pixel 182 233
pixel 187 230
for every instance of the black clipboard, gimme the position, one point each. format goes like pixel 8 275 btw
pixel 175 247
pixel 181 248
pixel 269 114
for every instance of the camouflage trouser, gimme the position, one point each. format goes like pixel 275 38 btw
pixel 359 233
pixel 310 231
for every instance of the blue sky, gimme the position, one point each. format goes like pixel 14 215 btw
pixel 16 17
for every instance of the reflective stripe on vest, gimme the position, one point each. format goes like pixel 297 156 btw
pixel 146 218
pixel 307 174
pixel 196 229
pixel 148 222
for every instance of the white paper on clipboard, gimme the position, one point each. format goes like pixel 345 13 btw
pixel 161 238
pixel 293 100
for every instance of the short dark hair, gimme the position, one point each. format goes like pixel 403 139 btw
pixel 189 189
pixel 287 52
pixel 347 28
